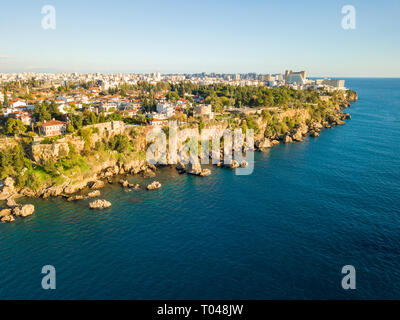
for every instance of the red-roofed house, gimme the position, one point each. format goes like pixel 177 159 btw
pixel 25 117
pixel 158 122
pixel 17 104
pixel 53 128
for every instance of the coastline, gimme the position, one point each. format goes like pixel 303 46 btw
pixel 105 171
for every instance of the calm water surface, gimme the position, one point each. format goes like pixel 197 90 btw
pixel 283 232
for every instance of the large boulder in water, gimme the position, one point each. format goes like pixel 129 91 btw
pixel 5 212
pixel 24 211
pixel 100 204
pixel 263 144
pixel 75 198
pixel 244 164
pixel 297 136
pixel 233 164
pixel 205 172
pixel 194 168
pixel 124 183
pixel 154 185
pixel 8 218
pixel 94 194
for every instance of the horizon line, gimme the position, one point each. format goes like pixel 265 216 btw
pixel 207 73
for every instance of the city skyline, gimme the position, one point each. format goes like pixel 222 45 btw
pixel 191 37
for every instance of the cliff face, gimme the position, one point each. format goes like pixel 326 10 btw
pixel 55 150
pixel 44 152
pixel 100 165
pixel 7 143
pixel 271 126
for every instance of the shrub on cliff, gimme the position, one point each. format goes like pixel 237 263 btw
pixel 33 181
pixel 13 161
pixel 120 143
pixel 15 126
pixel 50 167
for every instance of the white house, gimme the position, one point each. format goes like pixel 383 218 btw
pixel 158 122
pixel 18 104
pixel 107 106
pixel 65 99
pixel 165 108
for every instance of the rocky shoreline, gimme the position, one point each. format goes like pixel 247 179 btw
pixel 103 173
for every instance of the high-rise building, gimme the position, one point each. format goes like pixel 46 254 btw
pixel 333 83
pixel 295 77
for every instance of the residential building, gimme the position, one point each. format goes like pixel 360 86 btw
pixel 295 77
pixel 158 122
pixel 53 128
pixel 165 108
pixel 333 83
pixel 25 117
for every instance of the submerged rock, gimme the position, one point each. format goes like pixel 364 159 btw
pixel 124 183
pixel 314 134
pixel 287 139
pixel 233 164
pixel 75 198
pixel 181 167
pixel 205 172
pixel 148 173
pixel 100 204
pixel 154 185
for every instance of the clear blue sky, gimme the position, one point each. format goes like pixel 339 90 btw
pixel 196 36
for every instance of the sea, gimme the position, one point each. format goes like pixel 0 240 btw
pixel 284 232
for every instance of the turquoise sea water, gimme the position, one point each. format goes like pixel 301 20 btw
pixel 283 232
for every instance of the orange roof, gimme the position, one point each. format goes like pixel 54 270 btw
pixel 52 123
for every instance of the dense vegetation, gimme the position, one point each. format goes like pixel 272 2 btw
pixel 16 162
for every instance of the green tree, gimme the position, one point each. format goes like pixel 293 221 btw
pixel 40 112
pixel 70 128
pixel 15 126
pixel 53 110
pixel 120 143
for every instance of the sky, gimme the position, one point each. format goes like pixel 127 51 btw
pixel 187 36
